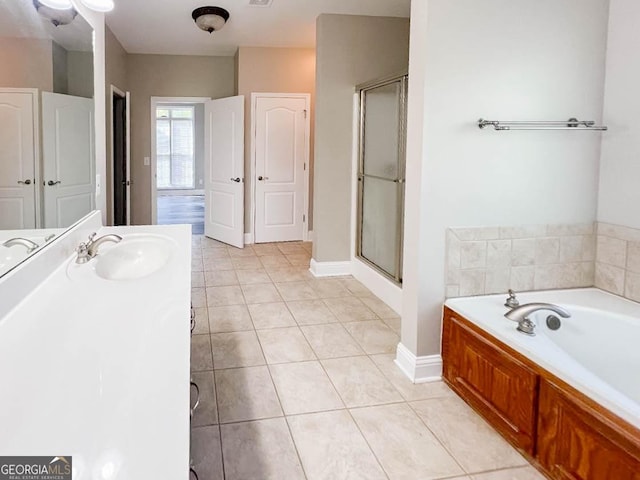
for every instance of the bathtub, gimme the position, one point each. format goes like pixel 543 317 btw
pixel 597 350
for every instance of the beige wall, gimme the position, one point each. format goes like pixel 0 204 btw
pixel 274 70
pixel 350 50
pixel 80 74
pixel 116 75
pixel 26 63
pixel 166 76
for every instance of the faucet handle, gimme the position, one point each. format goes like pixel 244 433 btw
pixel 92 236
pixel 512 301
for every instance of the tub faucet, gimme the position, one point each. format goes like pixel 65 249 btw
pixel 521 315
pixel 25 242
pixel 88 250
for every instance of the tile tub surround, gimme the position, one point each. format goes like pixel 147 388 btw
pixel 303 387
pixel 618 260
pixel 487 260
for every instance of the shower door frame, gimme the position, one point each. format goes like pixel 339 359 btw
pixel 361 90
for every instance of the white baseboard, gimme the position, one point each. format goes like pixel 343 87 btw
pixel 419 369
pixel 329 269
pixel 383 288
pixel 249 239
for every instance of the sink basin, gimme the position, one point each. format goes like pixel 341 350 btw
pixel 134 257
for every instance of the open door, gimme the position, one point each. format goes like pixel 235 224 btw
pixel 68 153
pixel 224 170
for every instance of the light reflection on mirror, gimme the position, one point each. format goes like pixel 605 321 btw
pixel 47 128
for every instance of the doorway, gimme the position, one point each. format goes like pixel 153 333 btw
pixel 381 170
pixel 177 144
pixel 280 195
pixel 120 162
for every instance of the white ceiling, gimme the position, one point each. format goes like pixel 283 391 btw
pixel 166 26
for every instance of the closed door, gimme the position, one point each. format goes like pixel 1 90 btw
pixel 281 150
pixel 224 170
pixel 68 158
pixel 17 161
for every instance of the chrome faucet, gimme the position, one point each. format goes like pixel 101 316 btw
pixel 88 250
pixel 521 315
pixel 25 242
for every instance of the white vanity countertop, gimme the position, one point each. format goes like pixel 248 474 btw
pixel 99 369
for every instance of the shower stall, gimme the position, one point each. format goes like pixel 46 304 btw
pixel 381 170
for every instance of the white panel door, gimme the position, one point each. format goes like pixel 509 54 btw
pixel 224 170
pixel 17 160
pixel 281 149
pixel 68 154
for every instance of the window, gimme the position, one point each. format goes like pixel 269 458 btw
pixel 175 147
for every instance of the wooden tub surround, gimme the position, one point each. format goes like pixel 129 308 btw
pixel 561 431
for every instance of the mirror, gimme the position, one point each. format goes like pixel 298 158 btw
pixel 47 128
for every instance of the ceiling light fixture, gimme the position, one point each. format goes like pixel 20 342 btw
pixel 57 4
pixel 98 5
pixel 210 19
pixel 56 16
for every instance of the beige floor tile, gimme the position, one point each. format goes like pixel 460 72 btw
pixel 379 307
pixel 304 388
pixel 220 278
pixel 218 264
pixel 271 315
pixel 292 291
pixel 198 298
pixel 261 293
pixel 332 448
pixel 246 263
pixel 475 445
pixel 359 382
pixel 329 288
pixel 409 390
pixel 229 318
pixel 211 243
pixel 221 296
pixel 247 251
pixel 236 349
pixel 196 264
pixel 301 259
pixel 275 260
pixel 246 394
pixel 282 345
pixel 206 452
pixel 212 254
pixel 356 288
pixel 350 309
pixel 197 279
pixel 206 413
pixel 261 450
pixel 403 445
pixel 288 274
pixel 522 473
pixel 331 340
pixel 201 353
pixel 202 321
pixel 248 277
pixel 311 312
pixel 292 249
pixel 394 324
pixel 264 249
pixel 373 336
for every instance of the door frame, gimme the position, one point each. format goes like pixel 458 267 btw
pixel 252 164
pixel 113 90
pixel 155 101
pixel 37 157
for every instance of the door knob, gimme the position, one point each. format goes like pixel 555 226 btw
pixel 261 178
pixel 51 183
pixel 26 182
pixel 237 180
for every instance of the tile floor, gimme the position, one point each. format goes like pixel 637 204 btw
pixel 297 381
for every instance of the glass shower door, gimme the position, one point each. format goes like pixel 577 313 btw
pixel 381 175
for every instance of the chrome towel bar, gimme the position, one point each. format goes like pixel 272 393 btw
pixel 571 124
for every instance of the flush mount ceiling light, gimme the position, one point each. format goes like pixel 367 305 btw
pixel 97 5
pixel 210 19
pixel 57 16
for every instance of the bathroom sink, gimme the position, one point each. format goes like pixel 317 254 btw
pixel 136 256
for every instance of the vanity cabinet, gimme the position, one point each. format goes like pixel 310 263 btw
pixel 501 387
pixel 562 432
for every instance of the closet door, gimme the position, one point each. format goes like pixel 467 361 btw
pixel 381 176
pixel 18 154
